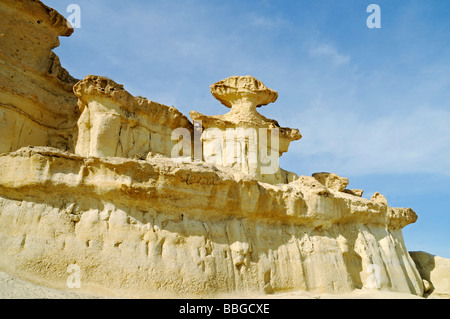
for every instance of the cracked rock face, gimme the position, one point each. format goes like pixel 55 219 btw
pixel 115 123
pixel 256 142
pixel 159 227
pixel 239 91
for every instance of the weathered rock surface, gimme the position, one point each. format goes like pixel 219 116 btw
pixel 108 196
pixel 243 138
pixel 37 105
pixel 354 192
pixel 192 229
pixel 332 181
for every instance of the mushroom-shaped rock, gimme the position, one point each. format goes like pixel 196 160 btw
pixel 243 92
pixel 114 123
pixel 399 217
pixel 243 138
pixel 332 181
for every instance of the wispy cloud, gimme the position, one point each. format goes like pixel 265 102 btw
pixel 268 22
pixel 402 142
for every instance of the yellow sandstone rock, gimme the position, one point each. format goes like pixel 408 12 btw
pixel 354 192
pixel 100 188
pixel 379 198
pixel 37 105
pixel 114 123
pixel 157 226
pixel 243 138
pixel 332 181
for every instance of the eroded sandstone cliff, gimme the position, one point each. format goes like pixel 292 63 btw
pixel 160 226
pixel 37 105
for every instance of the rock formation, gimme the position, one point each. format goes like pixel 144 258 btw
pixel 161 226
pixel 37 105
pixel 435 272
pixel 114 123
pixel 111 197
pixel 243 138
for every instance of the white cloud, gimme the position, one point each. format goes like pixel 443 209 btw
pixel 408 142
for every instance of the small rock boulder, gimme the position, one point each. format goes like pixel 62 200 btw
pixel 332 181
pixel 354 192
pixel 379 198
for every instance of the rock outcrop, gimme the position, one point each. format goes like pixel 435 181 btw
pixel 435 272
pixel 158 226
pixel 101 187
pixel 332 181
pixel 115 123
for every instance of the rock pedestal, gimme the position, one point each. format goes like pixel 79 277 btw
pixel 110 199
pixel 243 138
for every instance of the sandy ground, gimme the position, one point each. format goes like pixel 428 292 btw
pixel 15 288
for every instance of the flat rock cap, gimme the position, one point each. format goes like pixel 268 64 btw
pixel 238 87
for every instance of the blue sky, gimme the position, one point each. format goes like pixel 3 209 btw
pixel 372 105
